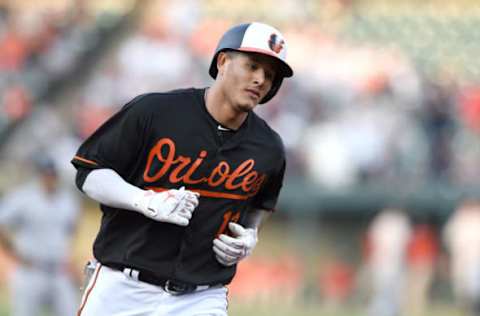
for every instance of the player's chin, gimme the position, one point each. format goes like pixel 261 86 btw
pixel 243 107
pixel 247 104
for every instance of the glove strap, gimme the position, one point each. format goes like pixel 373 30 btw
pixel 142 202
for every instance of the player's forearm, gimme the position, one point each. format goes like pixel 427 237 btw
pixel 109 188
pixel 174 206
pixel 256 218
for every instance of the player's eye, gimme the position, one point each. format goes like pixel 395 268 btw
pixel 253 66
pixel 269 75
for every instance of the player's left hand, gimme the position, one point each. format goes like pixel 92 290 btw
pixel 230 250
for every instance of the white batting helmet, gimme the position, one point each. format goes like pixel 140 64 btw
pixel 256 38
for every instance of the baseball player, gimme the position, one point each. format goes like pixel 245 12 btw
pixel 184 180
pixel 41 216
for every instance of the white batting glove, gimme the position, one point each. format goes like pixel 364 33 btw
pixel 230 250
pixel 172 206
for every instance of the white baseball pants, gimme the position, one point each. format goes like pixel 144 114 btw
pixel 113 293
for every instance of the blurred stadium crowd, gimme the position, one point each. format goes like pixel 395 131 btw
pixel 363 107
pixel 42 45
pixel 383 93
pixel 357 111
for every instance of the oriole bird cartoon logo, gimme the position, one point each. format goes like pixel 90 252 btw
pixel 275 43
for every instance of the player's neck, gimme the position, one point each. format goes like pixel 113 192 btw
pixel 222 111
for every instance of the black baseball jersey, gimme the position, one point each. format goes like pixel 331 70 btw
pixel 161 141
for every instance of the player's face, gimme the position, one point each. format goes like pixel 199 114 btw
pixel 247 78
pixel 50 181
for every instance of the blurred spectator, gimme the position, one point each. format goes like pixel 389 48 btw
pixel 13 48
pixel 326 156
pixel 462 238
pixel 39 47
pixel 356 114
pixel 274 279
pixel 336 282
pixel 439 125
pixel 387 238
pixel 372 126
pixel 422 255
pixel 470 108
pixel 16 102
pixel 168 61
pixel 41 216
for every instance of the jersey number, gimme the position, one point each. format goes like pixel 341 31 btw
pixel 229 216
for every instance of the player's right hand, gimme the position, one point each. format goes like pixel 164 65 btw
pixel 172 206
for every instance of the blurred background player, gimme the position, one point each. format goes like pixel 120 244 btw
pixel 40 217
pixel 388 237
pixel 422 257
pixel 462 238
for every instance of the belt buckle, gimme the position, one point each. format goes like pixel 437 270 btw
pixel 174 289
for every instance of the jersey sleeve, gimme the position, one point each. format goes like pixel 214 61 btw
pixel 267 198
pixel 117 143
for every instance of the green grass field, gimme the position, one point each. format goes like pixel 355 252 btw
pixel 311 244
pixel 299 310
pixel 319 310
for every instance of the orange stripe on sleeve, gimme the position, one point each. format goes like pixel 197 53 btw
pixel 85 160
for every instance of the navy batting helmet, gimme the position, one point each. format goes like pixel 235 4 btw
pixel 256 38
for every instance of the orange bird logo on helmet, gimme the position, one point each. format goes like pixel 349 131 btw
pixel 275 43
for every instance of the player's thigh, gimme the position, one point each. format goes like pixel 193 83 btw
pixel 215 303
pixel 212 302
pixel 111 293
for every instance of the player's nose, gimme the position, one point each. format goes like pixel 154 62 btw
pixel 259 76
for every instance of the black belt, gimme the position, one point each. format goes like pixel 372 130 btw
pixel 170 286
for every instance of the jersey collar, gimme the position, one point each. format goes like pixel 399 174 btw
pixel 239 135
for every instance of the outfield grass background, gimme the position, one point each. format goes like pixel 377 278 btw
pixel 297 309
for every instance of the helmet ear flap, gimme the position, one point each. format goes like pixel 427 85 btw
pixel 219 60
pixel 277 82
pixel 213 71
